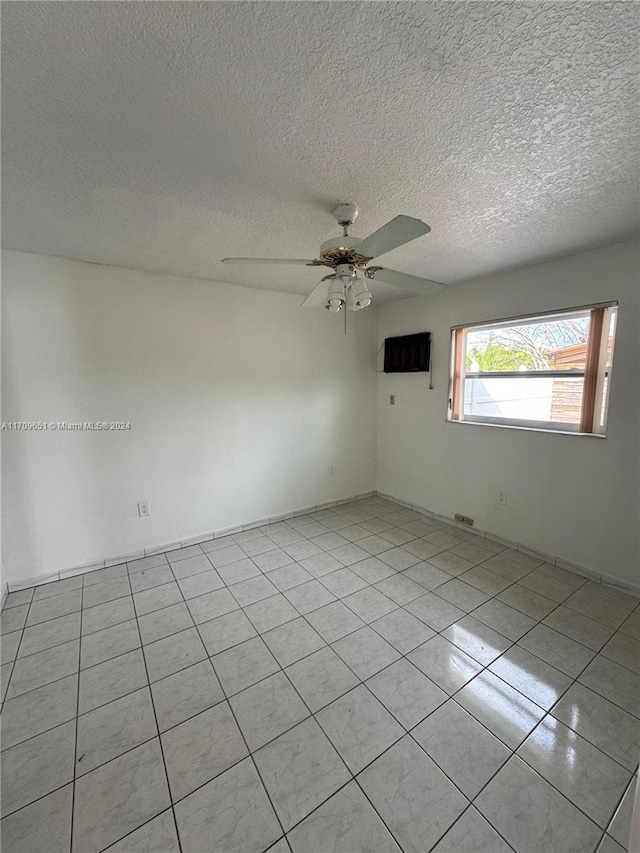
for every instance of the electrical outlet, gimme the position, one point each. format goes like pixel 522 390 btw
pixel 331 471
pixel 502 497
pixel 144 509
pixel 392 399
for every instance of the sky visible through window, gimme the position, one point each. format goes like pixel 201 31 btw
pixel 528 346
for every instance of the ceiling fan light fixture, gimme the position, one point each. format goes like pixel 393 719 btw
pixel 359 295
pixel 335 296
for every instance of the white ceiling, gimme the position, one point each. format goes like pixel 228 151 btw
pixel 165 136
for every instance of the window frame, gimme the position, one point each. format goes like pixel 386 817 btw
pixel 596 375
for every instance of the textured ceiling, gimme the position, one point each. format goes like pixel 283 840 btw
pixel 166 136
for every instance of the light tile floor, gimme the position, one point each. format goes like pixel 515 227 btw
pixel 359 679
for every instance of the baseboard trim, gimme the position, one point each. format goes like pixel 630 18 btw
pixel 3 594
pixel 554 560
pixel 561 562
pixel 111 560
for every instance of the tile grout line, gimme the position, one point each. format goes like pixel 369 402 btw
pixel 618 804
pixel 145 823
pixel 77 726
pixel 484 668
pixel 370 625
pixel 362 682
pixel 408 731
pixel 249 752
pixel 155 716
pixel 331 795
pixel 294 562
pixel 470 801
pixel 514 752
pixel 469 807
pixel 312 715
pixel 396 607
pixel 353 778
pixel 13 662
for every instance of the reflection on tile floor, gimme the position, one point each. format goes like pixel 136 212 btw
pixel 363 678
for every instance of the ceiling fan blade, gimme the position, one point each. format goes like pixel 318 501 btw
pixel 423 286
pixel 298 261
pixel 396 233
pixel 317 296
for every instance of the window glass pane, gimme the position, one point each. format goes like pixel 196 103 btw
pixel 530 398
pixel 609 334
pixel 553 343
pixel 541 372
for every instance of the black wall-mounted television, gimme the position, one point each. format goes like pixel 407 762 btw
pixel 408 354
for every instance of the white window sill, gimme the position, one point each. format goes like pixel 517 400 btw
pixel 527 428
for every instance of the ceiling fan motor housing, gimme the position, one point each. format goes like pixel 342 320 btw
pixel 342 250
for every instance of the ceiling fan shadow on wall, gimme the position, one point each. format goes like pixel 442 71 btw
pixel 348 256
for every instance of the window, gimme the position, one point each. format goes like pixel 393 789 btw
pixel 549 372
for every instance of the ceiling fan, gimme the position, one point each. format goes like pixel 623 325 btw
pixel 347 256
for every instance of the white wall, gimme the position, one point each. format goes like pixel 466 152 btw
pixel 4 586
pixel 571 496
pixel 238 399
